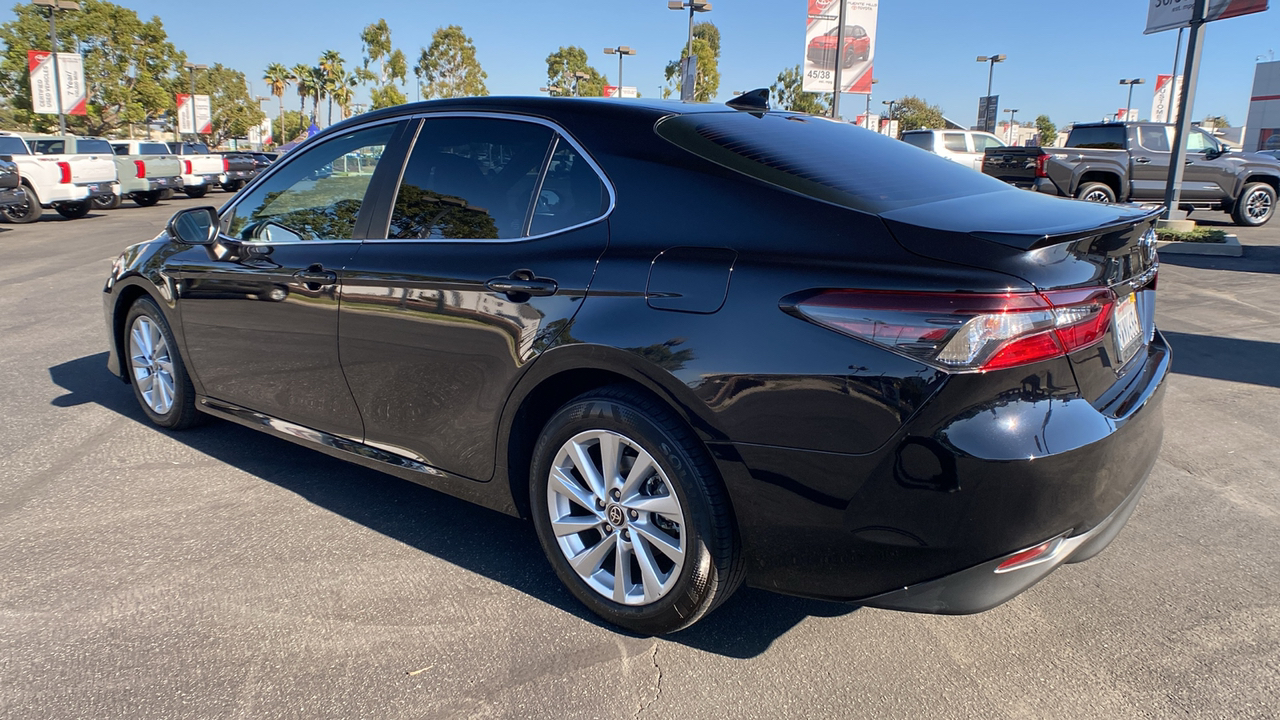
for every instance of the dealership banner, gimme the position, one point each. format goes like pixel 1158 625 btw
pixel 1169 14
pixel 185 124
pixel 71 75
pixel 821 41
pixel 204 115
pixel 261 134
pixel 1164 106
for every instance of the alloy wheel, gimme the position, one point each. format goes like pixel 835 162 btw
pixel 616 517
pixel 1258 205
pixel 1097 196
pixel 152 364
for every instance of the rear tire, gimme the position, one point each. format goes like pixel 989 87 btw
pixel 1255 206
pixel 620 485
pixel 147 199
pixel 28 213
pixel 196 192
pixel 1096 192
pixel 73 210
pixel 157 374
pixel 110 205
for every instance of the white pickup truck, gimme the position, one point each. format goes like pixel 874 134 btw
pixel 201 170
pixel 148 173
pixel 65 182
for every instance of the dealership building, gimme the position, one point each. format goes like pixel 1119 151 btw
pixel 1263 126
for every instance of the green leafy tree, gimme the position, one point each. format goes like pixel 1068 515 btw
pixel 391 65
pixel 234 112
pixel 1048 131
pixel 127 65
pixel 706 47
pixel 450 66
pixel 335 74
pixel 290 126
pixel 787 94
pixel 302 77
pixel 913 113
pixel 563 63
pixel 1217 121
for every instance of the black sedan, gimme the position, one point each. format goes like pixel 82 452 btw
pixel 697 345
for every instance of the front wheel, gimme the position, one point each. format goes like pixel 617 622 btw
pixel 156 372
pixel 198 191
pixel 74 210
pixel 26 212
pixel 1096 192
pixel 111 204
pixel 1256 205
pixel 631 514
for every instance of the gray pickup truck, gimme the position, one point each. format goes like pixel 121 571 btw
pixel 1129 162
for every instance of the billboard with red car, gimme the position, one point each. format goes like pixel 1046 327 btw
pixel 826 48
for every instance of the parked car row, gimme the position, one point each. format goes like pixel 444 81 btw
pixel 71 174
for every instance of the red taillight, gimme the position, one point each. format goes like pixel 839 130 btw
pixel 967 332
pixel 64 168
pixel 1041 161
pixel 1031 556
pixel 188 164
pixel 226 164
pixel 141 166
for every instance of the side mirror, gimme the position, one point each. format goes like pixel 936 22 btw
pixel 194 226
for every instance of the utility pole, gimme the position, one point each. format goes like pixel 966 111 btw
pixel 54 6
pixel 1173 188
pixel 835 96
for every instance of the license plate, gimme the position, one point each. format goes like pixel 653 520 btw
pixel 1128 330
pixel 162 181
pixel 93 188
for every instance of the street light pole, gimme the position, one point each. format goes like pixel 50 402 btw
pixel 1012 112
pixel 578 77
pixel 891 104
pixel 991 71
pixel 694 6
pixel 54 6
pixel 1129 102
pixel 191 101
pixel 619 51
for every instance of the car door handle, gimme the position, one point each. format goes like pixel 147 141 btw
pixel 315 276
pixel 523 283
pixel 1142 160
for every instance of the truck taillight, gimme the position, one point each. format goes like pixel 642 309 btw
pixel 65 169
pixel 188 165
pixel 141 165
pixel 963 331
pixel 1041 161
pixel 226 164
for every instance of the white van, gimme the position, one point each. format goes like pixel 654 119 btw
pixel 966 147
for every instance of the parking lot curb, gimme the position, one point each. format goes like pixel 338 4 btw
pixel 1230 247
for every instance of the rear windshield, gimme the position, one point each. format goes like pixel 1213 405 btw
pixel 10 145
pixel 832 161
pixel 101 147
pixel 1097 137
pixel 924 141
pixel 152 149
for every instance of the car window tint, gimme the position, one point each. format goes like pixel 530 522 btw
pixel 48 147
pixel 1199 141
pixel 1097 137
pixel 924 141
pixel 13 146
pixel 316 194
pixel 469 178
pixel 152 149
pixel 833 161
pixel 982 142
pixel 1154 138
pixel 120 149
pixel 99 147
pixel 571 194
pixel 954 142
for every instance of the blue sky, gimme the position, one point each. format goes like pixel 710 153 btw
pixel 1066 64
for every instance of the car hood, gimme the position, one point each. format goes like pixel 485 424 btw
pixel 1017 218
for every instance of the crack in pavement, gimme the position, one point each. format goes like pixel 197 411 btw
pixel 657 685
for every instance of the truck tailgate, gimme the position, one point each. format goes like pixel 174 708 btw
pixel 204 164
pixel 1014 165
pixel 88 168
pixel 158 166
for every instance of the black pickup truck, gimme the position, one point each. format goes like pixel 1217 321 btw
pixel 11 192
pixel 1129 162
pixel 241 167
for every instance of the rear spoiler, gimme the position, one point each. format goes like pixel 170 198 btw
pixel 1027 241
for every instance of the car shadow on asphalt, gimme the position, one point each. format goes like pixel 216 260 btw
pixel 1256 259
pixel 1245 361
pixel 499 547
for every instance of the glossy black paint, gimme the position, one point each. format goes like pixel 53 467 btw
pixel 11 192
pixel 853 471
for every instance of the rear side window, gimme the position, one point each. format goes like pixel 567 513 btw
pixel 825 159
pixel 10 145
pixel 470 179
pixel 571 193
pixel 1097 137
pixel 954 142
pixel 1153 138
pixel 48 147
pixel 924 141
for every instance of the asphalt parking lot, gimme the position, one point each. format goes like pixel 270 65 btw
pixel 222 573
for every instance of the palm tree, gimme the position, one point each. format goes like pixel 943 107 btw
pixel 301 74
pixel 331 66
pixel 278 78
pixel 341 91
pixel 318 90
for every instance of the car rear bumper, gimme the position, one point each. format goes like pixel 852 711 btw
pixel 920 523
